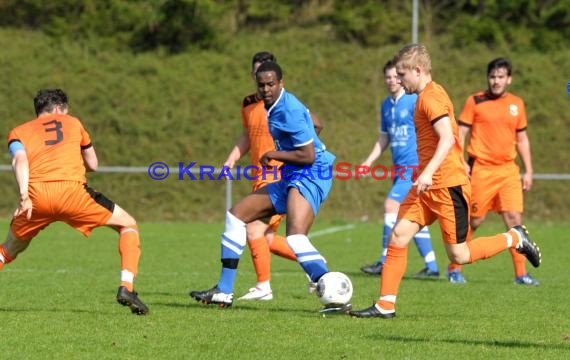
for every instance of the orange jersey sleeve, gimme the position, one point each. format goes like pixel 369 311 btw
pixel 53 145
pixel 254 119
pixel 432 105
pixel 494 123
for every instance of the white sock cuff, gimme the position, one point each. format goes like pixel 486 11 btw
pixel 300 244
pixel 390 219
pixel 296 238
pixel 233 222
pixel 235 231
pixel 509 240
pixel 423 233
pixel 388 298
pixel 127 229
pixel 127 276
pixel 430 256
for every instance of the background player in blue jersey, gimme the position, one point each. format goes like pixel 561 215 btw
pixel 305 184
pixel 397 131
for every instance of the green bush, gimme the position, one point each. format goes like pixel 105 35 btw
pixel 177 25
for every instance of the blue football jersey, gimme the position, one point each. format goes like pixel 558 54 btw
pixel 397 120
pixel 291 126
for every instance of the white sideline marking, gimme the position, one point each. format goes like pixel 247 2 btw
pixel 332 230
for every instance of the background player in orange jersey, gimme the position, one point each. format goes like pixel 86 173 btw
pixel 441 191
pixel 497 122
pixel 255 138
pixel 50 155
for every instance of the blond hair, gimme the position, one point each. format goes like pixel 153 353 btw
pixel 413 55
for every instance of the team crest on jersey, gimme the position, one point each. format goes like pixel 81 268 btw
pixel 513 109
pixel 404 113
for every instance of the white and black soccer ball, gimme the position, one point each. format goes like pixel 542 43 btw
pixel 334 288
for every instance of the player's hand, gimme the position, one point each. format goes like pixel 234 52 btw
pixel 423 183
pixel 24 207
pixel 526 181
pixel 265 159
pixel 226 168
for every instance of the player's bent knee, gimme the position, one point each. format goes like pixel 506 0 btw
pixel 458 253
pixel 256 229
pixel 121 218
pixel 476 222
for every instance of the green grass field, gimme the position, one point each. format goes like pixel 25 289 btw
pixel 57 301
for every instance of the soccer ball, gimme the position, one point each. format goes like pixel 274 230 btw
pixel 334 288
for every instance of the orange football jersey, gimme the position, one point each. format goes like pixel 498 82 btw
pixel 494 124
pixel 53 144
pixel 432 105
pixel 254 119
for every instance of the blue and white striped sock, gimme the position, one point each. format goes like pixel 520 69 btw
pixel 308 256
pixel 423 242
pixel 233 242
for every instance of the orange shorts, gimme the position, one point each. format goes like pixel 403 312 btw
pixel 496 188
pixel 275 220
pixel 72 202
pixel 448 205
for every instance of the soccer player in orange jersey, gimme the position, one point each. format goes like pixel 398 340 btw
pixel 497 122
pixel 255 138
pixel 50 156
pixel 440 192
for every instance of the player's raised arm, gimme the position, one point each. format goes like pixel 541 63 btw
pixel 240 148
pixel 377 149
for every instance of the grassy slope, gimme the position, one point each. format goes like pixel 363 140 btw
pixel 183 108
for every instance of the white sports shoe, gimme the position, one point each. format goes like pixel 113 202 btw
pixel 256 293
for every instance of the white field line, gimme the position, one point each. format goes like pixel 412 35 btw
pixel 331 230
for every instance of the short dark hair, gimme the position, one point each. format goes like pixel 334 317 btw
pixel 389 65
pixel 271 66
pixel 499 63
pixel 47 100
pixel 261 57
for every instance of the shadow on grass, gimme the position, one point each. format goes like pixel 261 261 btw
pixel 240 306
pixel 54 310
pixel 490 342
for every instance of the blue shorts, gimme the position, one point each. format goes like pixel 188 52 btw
pixel 401 187
pixel 315 188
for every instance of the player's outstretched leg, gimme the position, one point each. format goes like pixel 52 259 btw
pixel 527 247
pixel 233 242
